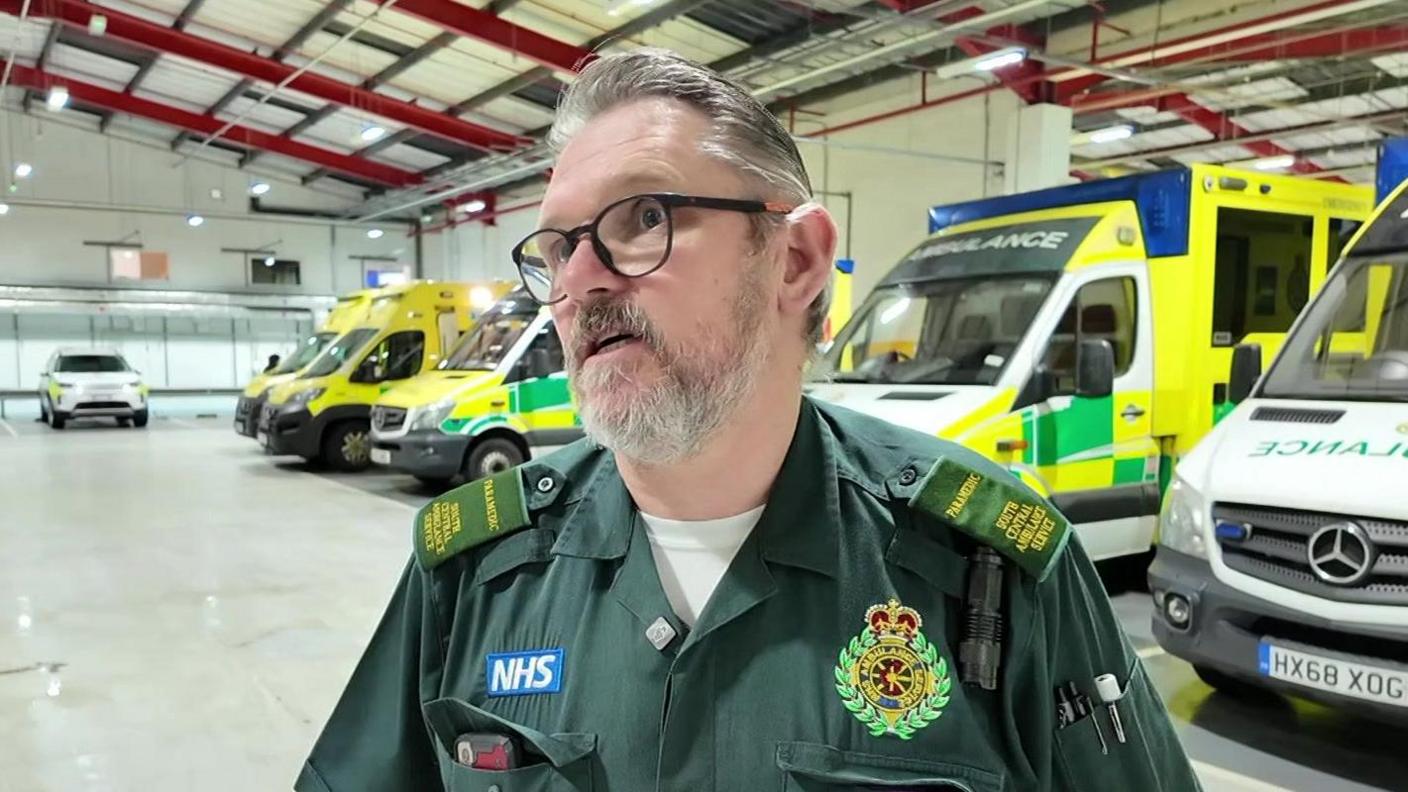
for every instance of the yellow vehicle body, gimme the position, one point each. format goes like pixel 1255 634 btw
pixel 324 411
pixel 499 399
pixel 350 310
pixel 991 332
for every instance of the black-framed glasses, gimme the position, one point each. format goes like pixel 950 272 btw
pixel 631 237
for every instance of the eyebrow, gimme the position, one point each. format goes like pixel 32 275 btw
pixel 623 185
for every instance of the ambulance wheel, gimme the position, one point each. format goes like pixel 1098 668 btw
pixel 140 419
pixel 348 446
pixel 491 456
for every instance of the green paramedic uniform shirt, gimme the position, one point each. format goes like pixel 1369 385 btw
pixel 825 660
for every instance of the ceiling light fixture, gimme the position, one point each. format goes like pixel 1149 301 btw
pixel 24 170
pixel 1274 163
pixel 1111 134
pixel 4 209
pixel 375 233
pixel 58 98
pixel 194 220
pixel 1000 59
pixel 470 207
pixel 372 133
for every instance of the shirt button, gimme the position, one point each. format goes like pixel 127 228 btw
pixel 908 476
pixel 545 484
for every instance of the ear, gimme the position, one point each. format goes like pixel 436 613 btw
pixel 811 247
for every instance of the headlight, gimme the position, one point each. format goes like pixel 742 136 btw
pixel 431 417
pixel 303 397
pixel 1183 523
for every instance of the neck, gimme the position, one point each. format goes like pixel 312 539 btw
pixel 732 473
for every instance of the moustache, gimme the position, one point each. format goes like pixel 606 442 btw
pixel 606 318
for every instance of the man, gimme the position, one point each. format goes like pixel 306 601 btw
pixel 731 587
pixel 273 364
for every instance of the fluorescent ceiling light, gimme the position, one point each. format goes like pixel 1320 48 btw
pixel 259 188
pixel 1111 134
pixel 4 209
pixel 1000 59
pixel 58 98
pixel 1274 163
pixel 375 233
pixel 195 220
pixel 372 133
pixel 470 207
pixel 23 170
pixel 268 261
pixel 619 7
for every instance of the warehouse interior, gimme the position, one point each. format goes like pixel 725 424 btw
pixel 189 187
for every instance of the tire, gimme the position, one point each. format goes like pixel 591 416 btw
pixel 140 419
pixel 347 446
pixel 490 456
pixel 57 419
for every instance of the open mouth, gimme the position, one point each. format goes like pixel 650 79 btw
pixel 610 342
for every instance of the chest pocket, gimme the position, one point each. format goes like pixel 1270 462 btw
pixel 549 763
pixel 808 767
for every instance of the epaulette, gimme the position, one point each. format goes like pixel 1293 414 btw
pixel 997 510
pixel 469 516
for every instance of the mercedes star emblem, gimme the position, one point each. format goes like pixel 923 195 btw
pixel 1342 554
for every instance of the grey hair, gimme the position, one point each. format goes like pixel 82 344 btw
pixel 745 134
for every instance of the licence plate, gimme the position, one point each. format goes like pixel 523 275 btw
pixel 381 456
pixel 1345 677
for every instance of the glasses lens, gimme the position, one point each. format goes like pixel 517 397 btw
pixel 637 234
pixel 540 257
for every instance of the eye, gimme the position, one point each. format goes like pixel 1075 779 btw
pixel 649 215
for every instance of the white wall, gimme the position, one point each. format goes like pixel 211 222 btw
pixel 133 192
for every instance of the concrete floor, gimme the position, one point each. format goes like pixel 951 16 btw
pixel 179 612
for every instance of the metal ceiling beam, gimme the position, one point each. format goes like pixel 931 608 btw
pixel 1254 48
pixel 309 29
pixel 499 6
pixel 371 83
pixel 182 20
pixel 50 40
pixel 1224 128
pixel 486 27
pixel 139 31
pixel 207 124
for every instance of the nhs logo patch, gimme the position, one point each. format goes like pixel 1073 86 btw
pixel 524 673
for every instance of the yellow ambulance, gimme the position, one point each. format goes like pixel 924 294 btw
pixel 1082 336
pixel 323 413
pixel 349 311
pixel 499 399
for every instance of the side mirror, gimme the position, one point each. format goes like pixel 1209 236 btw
pixel 1095 369
pixel 538 364
pixel 1246 370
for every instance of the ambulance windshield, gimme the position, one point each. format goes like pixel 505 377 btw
pixel 1353 343
pixel 484 347
pixel 955 331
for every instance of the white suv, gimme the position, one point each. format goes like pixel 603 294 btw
pixel 91 383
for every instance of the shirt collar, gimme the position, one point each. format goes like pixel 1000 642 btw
pixel 800 526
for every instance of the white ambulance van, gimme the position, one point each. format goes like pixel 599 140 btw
pixel 1283 546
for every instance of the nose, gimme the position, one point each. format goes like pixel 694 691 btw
pixel 585 276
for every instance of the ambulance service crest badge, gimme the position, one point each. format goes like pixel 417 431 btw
pixel 890 677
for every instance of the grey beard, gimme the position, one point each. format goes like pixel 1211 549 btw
pixel 697 394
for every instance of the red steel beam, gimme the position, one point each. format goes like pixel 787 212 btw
pixel 175 42
pixel 490 29
pixel 1068 87
pixel 1222 126
pixel 116 101
pixel 1267 46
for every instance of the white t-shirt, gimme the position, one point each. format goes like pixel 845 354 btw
pixel 692 556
